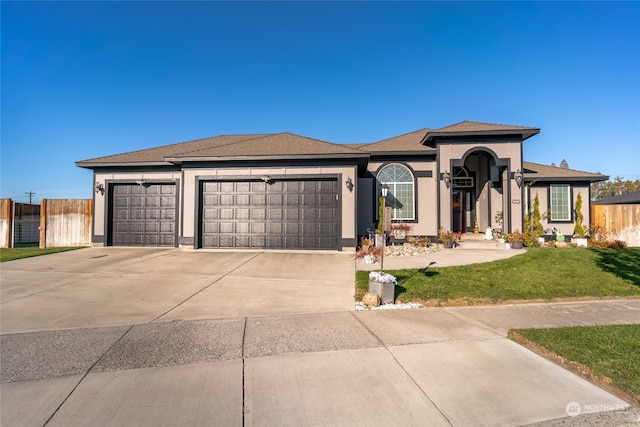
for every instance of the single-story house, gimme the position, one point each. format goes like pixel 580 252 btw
pixel 285 191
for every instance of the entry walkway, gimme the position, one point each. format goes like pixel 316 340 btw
pixel 432 366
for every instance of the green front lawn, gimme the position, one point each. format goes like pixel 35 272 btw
pixel 611 354
pixel 539 274
pixel 9 254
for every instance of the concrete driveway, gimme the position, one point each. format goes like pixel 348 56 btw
pixel 122 286
pixel 269 339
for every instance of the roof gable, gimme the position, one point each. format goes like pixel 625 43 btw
pixel 408 142
pixel 281 144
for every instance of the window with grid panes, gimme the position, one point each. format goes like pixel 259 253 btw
pixel 560 203
pixel 401 195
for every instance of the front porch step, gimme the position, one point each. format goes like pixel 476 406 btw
pixel 478 241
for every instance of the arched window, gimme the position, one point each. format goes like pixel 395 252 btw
pixel 401 194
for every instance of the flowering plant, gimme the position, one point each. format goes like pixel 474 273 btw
pixel 382 277
pixel 447 236
pixel 401 226
pixel 371 253
pixel 365 241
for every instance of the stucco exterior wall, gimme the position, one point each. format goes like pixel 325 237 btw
pixel 426 221
pixel 566 228
pixel 100 200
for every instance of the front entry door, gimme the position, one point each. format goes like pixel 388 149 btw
pixel 463 205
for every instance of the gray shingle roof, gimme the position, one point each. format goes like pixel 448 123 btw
pixel 408 142
pixel 290 146
pixel 281 145
pixel 468 128
pixel 623 199
pixel 537 172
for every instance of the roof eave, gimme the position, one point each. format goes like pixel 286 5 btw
pixel 565 178
pixel 525 134
pixel 403 153
pixel 92 165
pixel 200 159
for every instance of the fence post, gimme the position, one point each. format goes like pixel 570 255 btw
pixel 43 224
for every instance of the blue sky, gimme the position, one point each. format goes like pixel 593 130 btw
pixel 88 79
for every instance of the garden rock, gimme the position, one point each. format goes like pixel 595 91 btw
pixel 371 299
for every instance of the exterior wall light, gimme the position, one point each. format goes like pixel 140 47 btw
pixel 349 183
pixel 99 188
pixel 266 178
pixel 446 177
pixel 141 182
pixel 518 177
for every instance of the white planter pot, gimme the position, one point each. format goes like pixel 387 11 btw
pixel 507 245
pixel 579 241
pixel 369 259
pixel 385 291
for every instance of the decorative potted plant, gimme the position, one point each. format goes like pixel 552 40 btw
pixel 517 239
pixel 370 255
pixel 579 238
pixel 508 239
pixel 448 238
pixel 365 243
pixel 400 230
pixel 384 285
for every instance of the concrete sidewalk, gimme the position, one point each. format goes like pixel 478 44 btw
pixel 432 366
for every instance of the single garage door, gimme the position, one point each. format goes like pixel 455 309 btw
pixel 143 215
pixel 280 214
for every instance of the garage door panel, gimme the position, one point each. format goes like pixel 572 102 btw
pixel 292 200
pixel 309 215
pixel 281 214
pixel 226 213
pixel 243 213
pixel 258 213
pixel 143 215
pixel 258 199
pixel 168 214
pixel 211 213
pixel 275 214
pixel 292 214
pixel 275 228
pixel 258 242
pixel 258 228
pixel 153 202
pixel 291 228
pixel 227 227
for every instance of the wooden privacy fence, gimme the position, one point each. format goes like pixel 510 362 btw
pixel 53 223
pixel 622 221
pixel 6 214
pixel 65 222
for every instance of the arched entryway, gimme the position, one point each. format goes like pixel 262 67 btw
pixel 477 190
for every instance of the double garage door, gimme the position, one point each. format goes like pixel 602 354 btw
pixel 277 214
